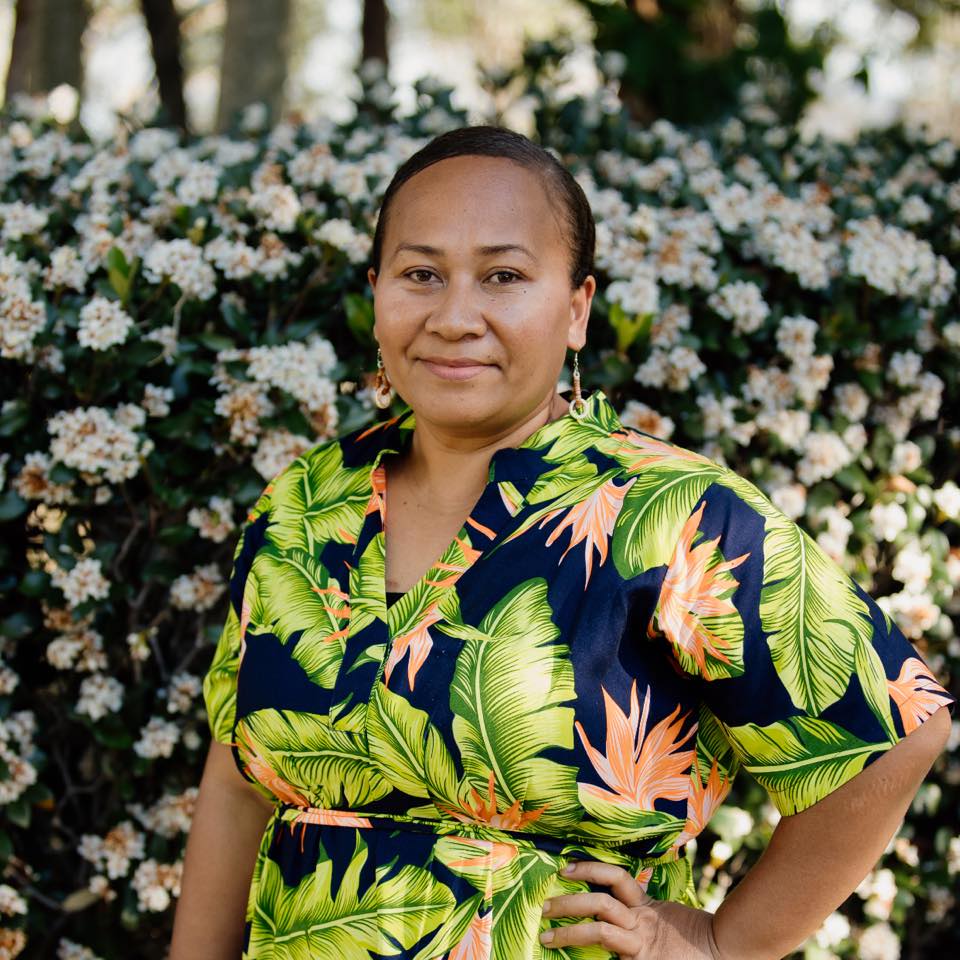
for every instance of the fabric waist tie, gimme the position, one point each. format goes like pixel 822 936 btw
pixel 557 846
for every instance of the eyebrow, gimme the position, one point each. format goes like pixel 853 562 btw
pixel 487 250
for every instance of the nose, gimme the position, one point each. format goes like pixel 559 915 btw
pixel 456 312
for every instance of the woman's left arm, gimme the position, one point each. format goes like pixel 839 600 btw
pixel 816 858
pixel 814 861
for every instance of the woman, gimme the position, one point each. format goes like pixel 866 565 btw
pixel 489 665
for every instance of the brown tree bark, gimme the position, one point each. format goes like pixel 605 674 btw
pixel 47 45
pixel 163 25
pixel 254 65
pixel 375 20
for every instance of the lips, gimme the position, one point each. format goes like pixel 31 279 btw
pixel 454 368
pixel 455 361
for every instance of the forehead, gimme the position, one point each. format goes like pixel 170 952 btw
pixel 474 200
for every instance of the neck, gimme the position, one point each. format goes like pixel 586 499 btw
pixel 449 467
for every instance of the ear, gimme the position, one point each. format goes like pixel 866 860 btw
pixel 580 302
pixel 372 279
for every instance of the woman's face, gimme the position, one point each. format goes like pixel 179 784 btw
pixel 473 304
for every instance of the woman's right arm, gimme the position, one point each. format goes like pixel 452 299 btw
pixel 227 827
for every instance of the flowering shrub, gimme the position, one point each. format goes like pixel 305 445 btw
pixel 178 320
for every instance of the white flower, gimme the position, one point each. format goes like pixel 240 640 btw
pixel 181 262
pixel 11 902
pixel 741 301
pixel 69 950
pixel 21 319
pixel 215 522
pixel 913 566
pixel 823 455
pixel 906 457
pixel 879 942
pixel 887 520
pixel 99 695
pixel 905 368
pixel 953 856
pixel 834 930
pixel 182 692
pixel 947 499
pixel 199 590
pixel 103 324
pixel 915 210
pixel 33 481
pixel 93 440
pixel 85 581
pixel 155 884
pixel 913 613
pixel 342 235
pixel 639 416
pixel 277 205
pixel 199 183
pixel 277 449
pixel 791 499
pixel 156 400
pixel 795 337
pixel 157 738
pixel 66 269
pixel 21 220
pixel 170 815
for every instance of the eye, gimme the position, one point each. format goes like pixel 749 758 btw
pixel 507 273
pixel 412 274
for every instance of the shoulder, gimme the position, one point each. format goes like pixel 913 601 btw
pixel 332 468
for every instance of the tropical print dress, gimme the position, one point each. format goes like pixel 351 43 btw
pixel 620 626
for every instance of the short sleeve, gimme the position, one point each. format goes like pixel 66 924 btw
pixel 220 680
pixel 809 678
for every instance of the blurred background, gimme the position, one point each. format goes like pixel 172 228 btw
pixel 861 63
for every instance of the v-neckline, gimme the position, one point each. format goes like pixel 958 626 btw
pixel 406 423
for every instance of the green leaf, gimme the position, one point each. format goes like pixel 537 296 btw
pixel 509 682
pixel 809 608
pixel 318 499
pixel 314 921
pixel 12 505
pixel 359 311
pixel 452 931
pixel 408 749
pixel 653 513
pixel 332 768
pixel 800 760
pixel 629 328
pixel 290 592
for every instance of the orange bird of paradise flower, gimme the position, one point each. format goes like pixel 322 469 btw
pixel 642 451
pixel 591 522
pixel 640 766
pixel 263 773
pixel 916 694
pixel 477 942
pixel 417 642
pixel 691 591
pixel 703 801
pixel 480 809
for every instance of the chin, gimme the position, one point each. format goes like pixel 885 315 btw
pixel 463 413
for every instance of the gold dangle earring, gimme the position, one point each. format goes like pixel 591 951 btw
pixel 578 407
pixel 382 391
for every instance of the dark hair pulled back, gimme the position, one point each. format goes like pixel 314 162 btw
pixel 492 141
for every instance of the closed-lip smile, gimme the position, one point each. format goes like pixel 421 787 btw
pixel 454 368
pixel 455 361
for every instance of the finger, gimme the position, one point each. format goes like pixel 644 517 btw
pixel 596 932
pixel 603 906
pixel 625 887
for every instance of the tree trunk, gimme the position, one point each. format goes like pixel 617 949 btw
pixel 254 65
pixel 47 48
pixel 163 25
pixel 375 20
